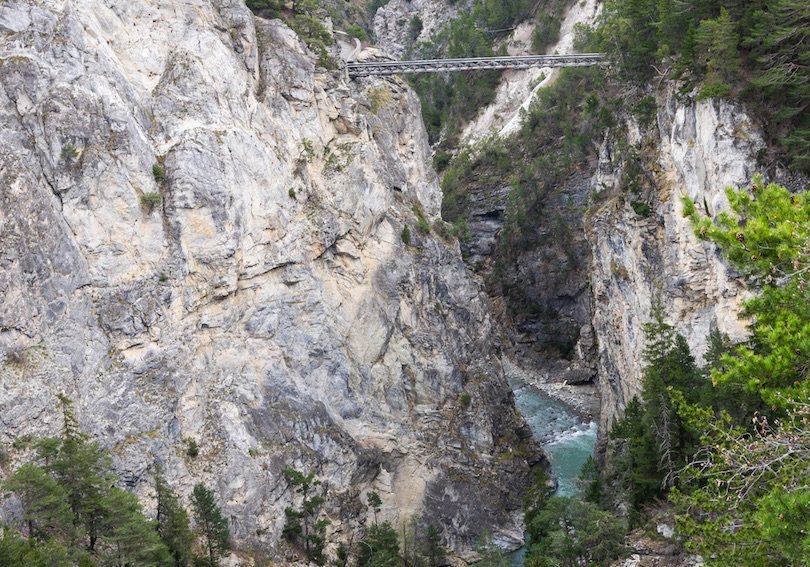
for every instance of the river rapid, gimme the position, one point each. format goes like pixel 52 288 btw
pixel 567 439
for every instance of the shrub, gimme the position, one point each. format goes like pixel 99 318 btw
pixel 356 31
pixel 150 200
pixel 69 152
pixel 415 28
pixel 158 172
pixel 291 193
pixel 465 399
pixel 192 448
pixel 406 234
pixel 378 97
pixel 641 209
pixel 421 222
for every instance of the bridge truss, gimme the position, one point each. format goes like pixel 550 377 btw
pixel 378 68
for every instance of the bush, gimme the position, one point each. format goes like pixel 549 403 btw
pixel 406 234
pixel 421 222
pixel 69 152
pixel 150 200
pixel 192 448
pixel 641 209
pixel 415 28
pixel 158 172
pixel 356 31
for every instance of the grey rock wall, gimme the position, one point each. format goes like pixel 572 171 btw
pixel 266 306
pixel 699 150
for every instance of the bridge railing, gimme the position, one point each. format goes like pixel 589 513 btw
pixel 473 63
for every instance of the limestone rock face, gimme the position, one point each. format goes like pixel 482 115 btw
pixel 702 149
pixel 200 237
pixel 395 27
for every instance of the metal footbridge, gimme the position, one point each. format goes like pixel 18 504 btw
pixel 377 68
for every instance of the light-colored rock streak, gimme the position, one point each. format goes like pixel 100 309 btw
pixel 267 306
pixel 518 88
pixel 704 147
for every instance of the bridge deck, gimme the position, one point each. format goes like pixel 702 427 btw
pixel 473 63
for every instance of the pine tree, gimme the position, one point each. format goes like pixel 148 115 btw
pixel 172 521
pixel 432 549
pixel 211 526
pixel 379 547
pixel 303 525
pixel 82 468
pixel 45 511
pixel 128 537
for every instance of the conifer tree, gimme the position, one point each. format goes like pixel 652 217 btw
pixel 211 526
pixel 172 521
pixel 128 537
pixel 303 525
pixel 82 467
pixel 45 511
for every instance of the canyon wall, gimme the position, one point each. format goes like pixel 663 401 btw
pixel 201 237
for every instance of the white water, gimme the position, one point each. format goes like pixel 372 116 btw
pixel 567 439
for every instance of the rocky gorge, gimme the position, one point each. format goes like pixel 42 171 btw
pixel 207 237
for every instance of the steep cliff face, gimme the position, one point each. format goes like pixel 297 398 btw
pixel 200 237
pixel 697 149
pixel 401 23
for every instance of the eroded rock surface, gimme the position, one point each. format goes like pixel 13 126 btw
pixel 265 303
pixel 700 149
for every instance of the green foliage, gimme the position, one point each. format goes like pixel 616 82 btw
pixel 374 502
pixel 767 236
pixel 211 525
pixel 158 173
pixel 16 551
pixel 744 499
pixel 422 223
pixel 150 200
pixel 355 30
pixel 546 32
pixel 133 540
pixel 266 8
pixel 573 532
pixel 432 550
pixel 379 547
pixel 72 510
pixel 69 153
pixel 192 448
pixel 653 441
pixel 747 500
pixel 304 527
pixel 491 555
pixel 757 50
pixel 406 235
pixel 415 28
pixel 172 522
pixel 310 29
pixel 641 209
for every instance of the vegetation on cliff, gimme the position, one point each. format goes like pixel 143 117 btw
pixel 756 51
pixel 72 512
pixel 729 444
